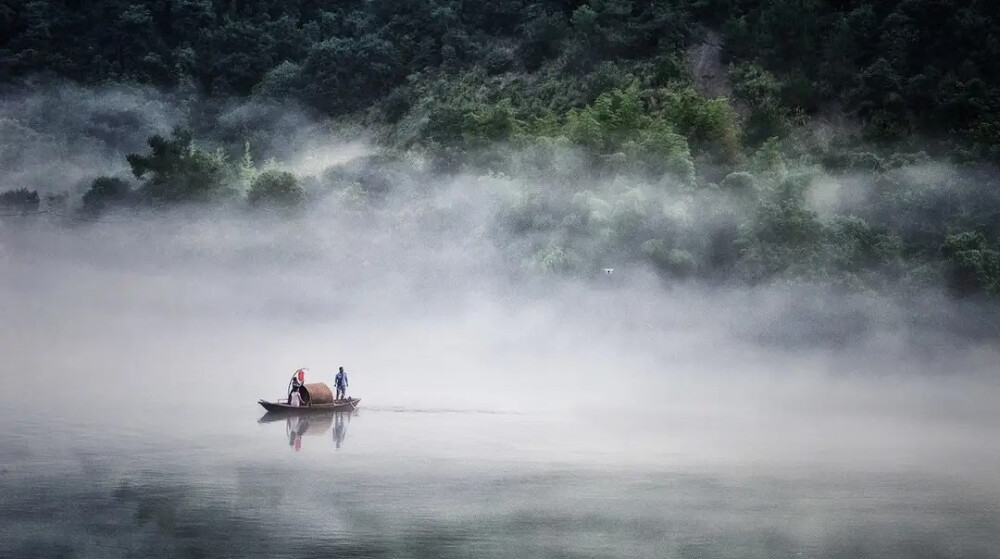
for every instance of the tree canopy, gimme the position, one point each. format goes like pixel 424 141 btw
pixel 730 114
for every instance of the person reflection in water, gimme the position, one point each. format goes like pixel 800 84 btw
pixel 339 429
pixel 295 426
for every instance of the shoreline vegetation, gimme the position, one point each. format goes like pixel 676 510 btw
pixel 851 144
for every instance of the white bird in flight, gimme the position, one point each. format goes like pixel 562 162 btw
pixel 609 270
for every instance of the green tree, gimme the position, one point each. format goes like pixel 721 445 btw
pixel 176 171
pixel 974 266
pixel 542 37
pixel 282 81
pixel 672 261
pixel 21 200
pixel 105 191
pixel 347 74
pixel 277 189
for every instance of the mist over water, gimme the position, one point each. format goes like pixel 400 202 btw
pixel 504 413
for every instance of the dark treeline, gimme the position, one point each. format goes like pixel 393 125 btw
pixel 903 66
pixel 740 110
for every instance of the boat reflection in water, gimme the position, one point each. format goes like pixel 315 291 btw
pixel 314 424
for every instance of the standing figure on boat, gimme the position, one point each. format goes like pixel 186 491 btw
pixel 293 387
pixel 341 381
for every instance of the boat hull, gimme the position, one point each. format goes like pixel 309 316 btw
pixel 347 404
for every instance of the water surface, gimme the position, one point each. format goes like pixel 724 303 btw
pixel 405 482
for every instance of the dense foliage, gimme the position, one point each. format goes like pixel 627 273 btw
pixel 625 144
pixel 903 66
pixel 22 200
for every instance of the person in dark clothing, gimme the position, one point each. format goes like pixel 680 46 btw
pixel 341 382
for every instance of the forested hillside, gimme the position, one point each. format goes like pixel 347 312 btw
pixel 624 143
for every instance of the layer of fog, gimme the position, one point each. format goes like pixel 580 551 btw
pixel 212 312
pixel 56 137
pixel 421 301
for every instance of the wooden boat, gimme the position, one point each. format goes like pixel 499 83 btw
pixel 317 397
pixel 317 416
pixel 347 404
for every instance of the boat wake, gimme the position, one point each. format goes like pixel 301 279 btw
pixel 405 409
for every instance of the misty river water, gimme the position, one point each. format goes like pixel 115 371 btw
pixel 623 420
pixel 124 477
